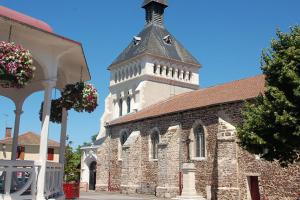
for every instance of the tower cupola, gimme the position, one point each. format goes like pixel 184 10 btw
pixel 155 11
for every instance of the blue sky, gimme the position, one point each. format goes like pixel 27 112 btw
pixel 227 37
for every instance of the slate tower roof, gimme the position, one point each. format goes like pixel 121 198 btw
pixel 155 39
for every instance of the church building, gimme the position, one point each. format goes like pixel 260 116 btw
pixel 157 118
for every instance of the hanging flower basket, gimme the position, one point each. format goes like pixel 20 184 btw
pixel 80 96
pixel 55 113
pixel 16 68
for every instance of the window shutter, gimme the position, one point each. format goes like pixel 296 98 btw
pixel 21 152
pixel 50 154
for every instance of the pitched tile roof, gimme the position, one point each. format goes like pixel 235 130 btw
pixel 229 92
pixel 29 138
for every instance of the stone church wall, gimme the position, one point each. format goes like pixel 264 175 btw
pixel 275 182
pixel 131 164
pixel 102 166
pixel 222 174
pixel 168 162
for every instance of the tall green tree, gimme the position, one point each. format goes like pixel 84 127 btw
pixel 271 126
pixel 72 163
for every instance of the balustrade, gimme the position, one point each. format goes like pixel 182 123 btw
pixel 18 179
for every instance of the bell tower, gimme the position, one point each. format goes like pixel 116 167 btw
pixel 155 11
pixel 154 67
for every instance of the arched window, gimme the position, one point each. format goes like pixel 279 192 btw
pixel 131 72
pixel 120 76
pixel 199 142
pixel 123 138
pixel 128 104
pixel 190 76
pixel 127 73
pixel 167 71
pixel 116 77
pixel 154 69
pixel 120 107
pixel 123 74
pixel 154 144
pixel 135 71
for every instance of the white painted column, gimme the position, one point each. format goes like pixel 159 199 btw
pixel 176 73
pixel 124 107
pixel 181 75
pixel 63 137
pixel 44 139
pixel 170 72
pixel 18 113
pixel 164 71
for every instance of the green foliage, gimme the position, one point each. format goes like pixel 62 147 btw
pixel 271 124
pixel 73 160
pixel 72 163
pixel 55 113
pixel 93 139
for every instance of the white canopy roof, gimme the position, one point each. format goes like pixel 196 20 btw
pixel 56 58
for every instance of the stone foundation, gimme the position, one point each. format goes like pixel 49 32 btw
pixel 101 188
pixel 167 192
pixel 129 189
pixel 228 194
pixel 84 186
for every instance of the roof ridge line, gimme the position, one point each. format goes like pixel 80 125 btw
pixel 226 83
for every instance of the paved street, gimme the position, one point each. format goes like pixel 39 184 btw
pixel 111 196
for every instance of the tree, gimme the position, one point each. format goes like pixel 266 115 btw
pixel 73 160
pixel 93 139
pixel 72 163
pixel 271 126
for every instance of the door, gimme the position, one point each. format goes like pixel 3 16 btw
pixel 254 188
pixel 92 182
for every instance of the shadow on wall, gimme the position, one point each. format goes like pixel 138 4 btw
pixel 215 183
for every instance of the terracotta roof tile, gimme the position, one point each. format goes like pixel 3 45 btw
pixel 229 92
pixel 12 14
pixel 29 138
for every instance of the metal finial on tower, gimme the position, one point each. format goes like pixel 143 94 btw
pixel 155 10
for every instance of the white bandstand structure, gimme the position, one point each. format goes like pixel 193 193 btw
pixel 58 61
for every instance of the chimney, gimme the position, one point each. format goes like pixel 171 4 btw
pixel 8 132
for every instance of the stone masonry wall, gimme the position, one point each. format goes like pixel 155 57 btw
pixel 102 166
pixel 212 177
pixel 227 161
pixel 168 162
pixel 131 164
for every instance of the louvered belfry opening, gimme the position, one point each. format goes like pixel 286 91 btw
pixel 155 11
